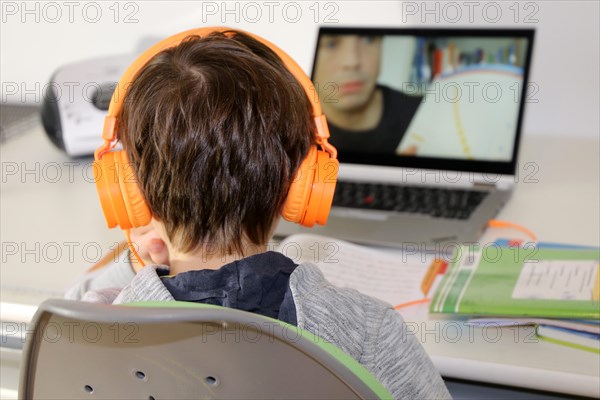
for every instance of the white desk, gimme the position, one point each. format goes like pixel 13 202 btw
pixel 52 230
pixel 560 202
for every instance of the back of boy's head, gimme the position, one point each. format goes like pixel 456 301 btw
pixel 215 129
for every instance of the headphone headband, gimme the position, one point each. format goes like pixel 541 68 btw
pixel 117 100
pixel 309 197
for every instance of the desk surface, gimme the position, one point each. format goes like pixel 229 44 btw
pixel 52 230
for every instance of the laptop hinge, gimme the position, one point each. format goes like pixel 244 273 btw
pixel 484 185
pixel 505 183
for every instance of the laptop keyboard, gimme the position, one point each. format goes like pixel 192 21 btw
pixel 436 202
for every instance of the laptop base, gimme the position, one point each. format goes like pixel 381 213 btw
pixel 403 230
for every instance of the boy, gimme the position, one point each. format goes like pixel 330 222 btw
pixel 215 129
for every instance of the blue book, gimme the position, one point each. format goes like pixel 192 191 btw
pixel 577 339
pixel 542 245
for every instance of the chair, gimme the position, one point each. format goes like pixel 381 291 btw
pixel 179 350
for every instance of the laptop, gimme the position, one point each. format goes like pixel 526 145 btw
pixel 427 124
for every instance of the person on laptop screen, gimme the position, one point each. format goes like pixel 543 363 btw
pixel 363 115
pixel 436 94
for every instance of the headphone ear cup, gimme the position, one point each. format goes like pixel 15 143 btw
pixel 120 197
pixel 323 189
pixel 103 187
pixel 137 210
pixel 311 194
pixel 299 193
pixel 328 170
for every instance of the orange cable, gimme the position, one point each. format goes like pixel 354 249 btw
pixel 113 255
pixel 412 303
pixel 132 248
pixel 495 223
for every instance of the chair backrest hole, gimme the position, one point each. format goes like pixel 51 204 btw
pixel 140 375
pixel 211 380
pixel 89 389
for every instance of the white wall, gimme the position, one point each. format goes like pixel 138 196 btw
pixel 565 62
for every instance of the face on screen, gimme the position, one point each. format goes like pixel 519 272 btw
pixel 347 70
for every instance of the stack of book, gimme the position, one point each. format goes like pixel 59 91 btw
pixel 554 287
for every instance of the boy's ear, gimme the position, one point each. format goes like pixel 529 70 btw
pixel 159 228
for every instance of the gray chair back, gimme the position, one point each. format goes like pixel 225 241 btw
pixel 175 350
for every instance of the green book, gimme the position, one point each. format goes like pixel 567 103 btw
pixel 517 281
pixel 568 337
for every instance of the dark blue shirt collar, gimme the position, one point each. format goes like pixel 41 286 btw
pixel 257 284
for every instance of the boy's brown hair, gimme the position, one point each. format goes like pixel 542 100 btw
pixel 215 129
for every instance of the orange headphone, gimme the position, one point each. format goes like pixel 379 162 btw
pixel 311 193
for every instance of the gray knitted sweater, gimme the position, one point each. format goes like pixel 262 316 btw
pixel 367 329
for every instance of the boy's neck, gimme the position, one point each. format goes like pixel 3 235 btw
pixel 203 259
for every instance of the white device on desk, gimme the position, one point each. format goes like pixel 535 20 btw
pixel 76 101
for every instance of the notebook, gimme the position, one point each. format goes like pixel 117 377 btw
pixel 521 282
pixel 427 123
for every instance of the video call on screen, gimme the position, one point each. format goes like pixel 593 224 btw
pixel 440 97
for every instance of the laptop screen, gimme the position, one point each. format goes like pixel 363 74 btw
pixel 428 98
